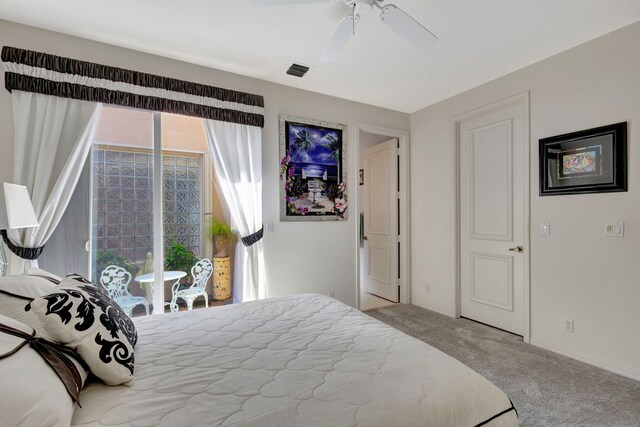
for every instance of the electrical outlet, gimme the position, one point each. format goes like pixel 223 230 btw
pixel 544 229
pixel 568 325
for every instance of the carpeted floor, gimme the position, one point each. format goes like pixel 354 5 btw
pixel 547 389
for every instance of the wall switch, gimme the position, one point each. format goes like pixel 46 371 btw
pixel 613 229
pixel 568 325
pixel 269 227
pixel 427 288
pixel 544 228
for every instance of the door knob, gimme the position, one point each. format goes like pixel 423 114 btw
pixel 365 238
pixel 518 249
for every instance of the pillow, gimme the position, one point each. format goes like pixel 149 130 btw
pixel 31 393
pixel 16 292
pixel 82 316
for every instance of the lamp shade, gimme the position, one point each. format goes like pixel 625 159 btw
pixel 20 213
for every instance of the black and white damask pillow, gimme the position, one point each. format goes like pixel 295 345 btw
pixel 82 316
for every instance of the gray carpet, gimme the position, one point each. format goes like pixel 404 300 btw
pixel 547 389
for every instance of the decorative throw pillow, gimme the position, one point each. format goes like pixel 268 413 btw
pixel 31 393
pixel 17 291
pixel 82 316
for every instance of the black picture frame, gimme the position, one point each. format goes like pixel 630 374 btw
pixel 587 161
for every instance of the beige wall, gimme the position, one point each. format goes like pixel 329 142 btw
pixel 576 273
pixel 300 257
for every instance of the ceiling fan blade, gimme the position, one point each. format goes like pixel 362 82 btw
pixel 339 40
pixel 287 2
pixel 407 27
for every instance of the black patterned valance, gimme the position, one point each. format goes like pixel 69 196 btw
pixel 47 74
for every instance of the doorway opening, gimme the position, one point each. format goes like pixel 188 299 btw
pixel 382 242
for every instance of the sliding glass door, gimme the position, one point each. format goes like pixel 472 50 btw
pixel 142 212
pixel 122 203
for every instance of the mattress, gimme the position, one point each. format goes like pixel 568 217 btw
pixel 304 360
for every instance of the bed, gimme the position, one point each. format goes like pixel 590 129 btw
pixel 305 360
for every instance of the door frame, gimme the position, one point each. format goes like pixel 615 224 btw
pixel 405 208
pixel 523 99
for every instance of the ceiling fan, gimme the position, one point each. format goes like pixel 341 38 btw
pixel 396 19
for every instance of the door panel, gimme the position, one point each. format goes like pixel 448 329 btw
pixel 492 211
pixel 379 180
pixel 491 186
pixel 380 219
pixel 379 264
pixel 492 280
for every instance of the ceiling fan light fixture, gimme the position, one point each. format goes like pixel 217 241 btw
pixel 392 16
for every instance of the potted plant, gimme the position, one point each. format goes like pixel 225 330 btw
pixel 222 234
pixel 179 258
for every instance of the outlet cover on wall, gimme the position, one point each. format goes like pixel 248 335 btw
pixel 544 228
pixel 568 325
pixel 613 229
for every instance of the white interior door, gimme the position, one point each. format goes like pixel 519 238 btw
pixel 381 220
pixel 493 189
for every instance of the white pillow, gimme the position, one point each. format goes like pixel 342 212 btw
pixel 31 393
pixel 16 292
pixel 82 316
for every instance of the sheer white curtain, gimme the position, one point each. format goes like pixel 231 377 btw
pixel 52 139
pixel 237 158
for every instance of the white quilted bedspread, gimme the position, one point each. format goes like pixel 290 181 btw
pixel 305 360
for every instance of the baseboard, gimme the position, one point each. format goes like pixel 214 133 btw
pixel 608 366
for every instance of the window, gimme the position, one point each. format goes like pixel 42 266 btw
pixel 123 201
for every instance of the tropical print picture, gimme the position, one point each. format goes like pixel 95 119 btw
pixel 311 170
pixel 579 162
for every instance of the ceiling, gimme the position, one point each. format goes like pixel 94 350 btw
pixel 480 40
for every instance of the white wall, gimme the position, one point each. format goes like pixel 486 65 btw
pixel 300 257
pixel 576 273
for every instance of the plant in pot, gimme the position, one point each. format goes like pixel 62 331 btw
pixel 222 234
pixel 179 258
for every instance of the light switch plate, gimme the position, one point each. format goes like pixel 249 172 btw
pixel 544 228
pixel 613 229
pixel 269 227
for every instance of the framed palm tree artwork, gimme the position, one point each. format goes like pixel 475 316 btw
pixel 313 174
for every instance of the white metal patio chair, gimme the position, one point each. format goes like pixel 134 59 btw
pixel 116 281
pixel 201 273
